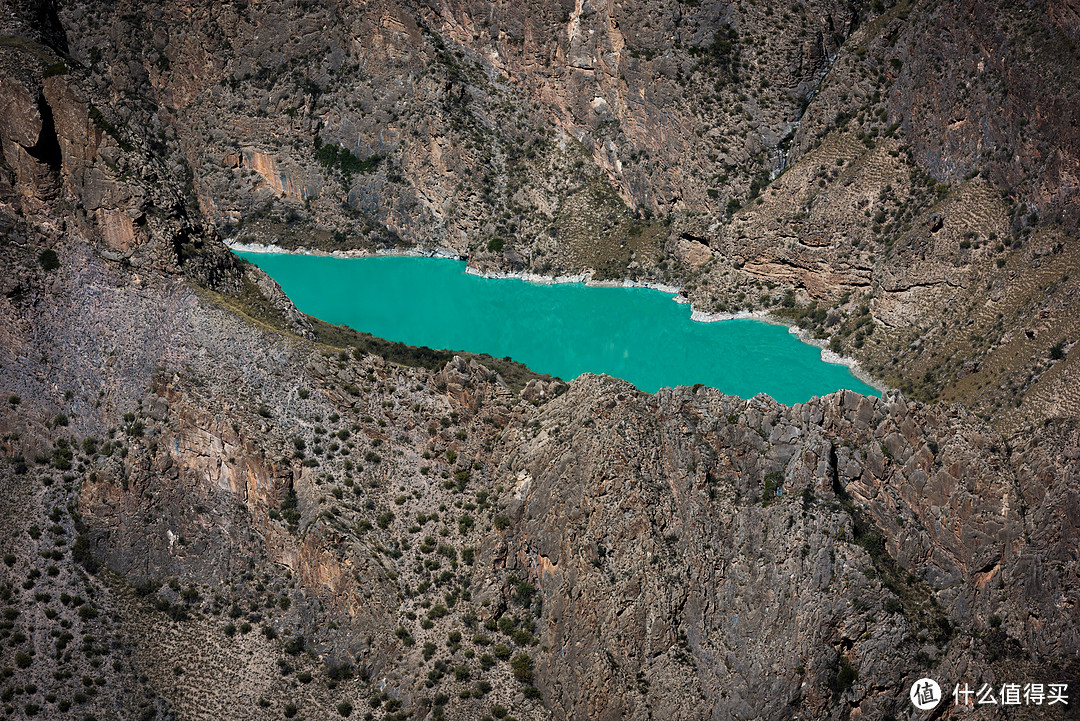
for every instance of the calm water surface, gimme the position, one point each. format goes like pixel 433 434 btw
pixel 636 334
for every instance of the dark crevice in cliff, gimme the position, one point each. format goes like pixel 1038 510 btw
pixel 43 19
pixel 47 147
pixel 54 29
pixel 834 476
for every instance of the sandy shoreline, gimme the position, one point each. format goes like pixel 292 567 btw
pixel 585 278
pixel 356 253
pixel 827 356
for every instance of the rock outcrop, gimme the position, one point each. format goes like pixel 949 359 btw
pixel 688 554
pixel 804 149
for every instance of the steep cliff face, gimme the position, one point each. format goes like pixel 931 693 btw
pixel 931 286
pixel 687 554
pixel 668 100
pixel 710 547
pixel 60 146
pixel 926 150
pixel 454 112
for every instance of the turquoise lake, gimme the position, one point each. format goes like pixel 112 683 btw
pixel 637 334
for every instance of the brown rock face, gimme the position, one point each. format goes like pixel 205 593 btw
pixel 117 229
pixel 22 123
pixel 80 142
pixel 553 137
pixel 669 561
pixel 1009 94
pixel 513 92
pixel 27 138
pixel 283 183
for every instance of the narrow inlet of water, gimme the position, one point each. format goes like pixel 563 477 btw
pixel 637 334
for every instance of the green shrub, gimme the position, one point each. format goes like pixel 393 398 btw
pixel 522 668
pixel 773 481
pixel 339 671
pixel 49 260
pixel 405 636
pixel 465 524
pixel 525 593
pixel 845 677
pixel 341 158
pixel 80 552
pixel 289 510
pixel 295 645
